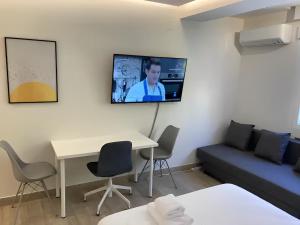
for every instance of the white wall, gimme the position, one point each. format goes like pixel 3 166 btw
pixel 268 93
pixel 87 36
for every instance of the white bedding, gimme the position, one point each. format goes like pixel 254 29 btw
pixel 224 204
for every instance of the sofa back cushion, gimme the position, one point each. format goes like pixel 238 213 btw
pixel 254 139
pixel 272 146
pixel 238 135
pixel 297 166
pixel 292 153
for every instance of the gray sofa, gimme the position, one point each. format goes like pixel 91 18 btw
pixel 277 184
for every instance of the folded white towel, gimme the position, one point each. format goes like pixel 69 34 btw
pixel 169 207
pixel 181 220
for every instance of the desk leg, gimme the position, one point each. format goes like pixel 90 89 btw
pixel 57 178
pixel 135 167
pixel 151 172
pixel 63 188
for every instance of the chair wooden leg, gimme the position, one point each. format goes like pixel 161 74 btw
pixel 17 195
pixel 48 195
pixel 45 189
pixel 171 174
pixel 19 204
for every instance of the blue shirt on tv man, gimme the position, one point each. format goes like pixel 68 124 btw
pixel 148 90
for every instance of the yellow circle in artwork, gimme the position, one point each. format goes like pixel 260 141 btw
pixel 33 92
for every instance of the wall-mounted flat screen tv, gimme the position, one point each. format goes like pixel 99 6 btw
pixel 138 79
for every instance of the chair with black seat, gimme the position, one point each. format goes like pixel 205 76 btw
pixel 164 152
pixel 114 159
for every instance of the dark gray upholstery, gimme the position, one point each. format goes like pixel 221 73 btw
pixel 297 166
pixel 159 154
pixel 255 136
pixel 166 144
pixel 278 184
pixel 114 159
pixel 292 153
pixel 238 135
pixel 272 146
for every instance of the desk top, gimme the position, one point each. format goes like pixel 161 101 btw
pixel 73 148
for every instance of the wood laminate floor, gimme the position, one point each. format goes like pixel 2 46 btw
pixel 42 212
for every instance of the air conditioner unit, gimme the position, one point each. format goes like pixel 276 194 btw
pixel 272 35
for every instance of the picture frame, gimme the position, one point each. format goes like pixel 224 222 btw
pixel 31 66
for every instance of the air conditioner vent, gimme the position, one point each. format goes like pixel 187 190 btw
pixel 272 35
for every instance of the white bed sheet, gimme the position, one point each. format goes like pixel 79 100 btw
pixel 224 204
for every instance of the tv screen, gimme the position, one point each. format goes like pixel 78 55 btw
pixel 138 79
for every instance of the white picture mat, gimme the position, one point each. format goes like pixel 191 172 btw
pixel 31 61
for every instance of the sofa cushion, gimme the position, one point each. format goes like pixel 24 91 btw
pixel 238 135
pixel 255 136
pixel 272 146
pixel 279 181
pixel 292 152
pixel 297 166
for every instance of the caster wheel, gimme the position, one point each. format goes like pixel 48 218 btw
pixel 98 214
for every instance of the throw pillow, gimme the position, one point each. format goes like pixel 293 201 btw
pixel 272 146
pixel 297 166
pixel 238 135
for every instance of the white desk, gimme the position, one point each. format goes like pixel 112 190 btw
pixel 69 149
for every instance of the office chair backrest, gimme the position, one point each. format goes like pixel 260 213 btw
pixel 115 159
pixel 16 162
pixel 168 138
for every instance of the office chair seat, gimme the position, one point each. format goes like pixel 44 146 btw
pixel 93 166
pixel 159 154
pixel 38 171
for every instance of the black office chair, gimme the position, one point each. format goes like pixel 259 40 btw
pixel 166 144
pixel 114 159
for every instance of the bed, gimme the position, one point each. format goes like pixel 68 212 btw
pixel 224 204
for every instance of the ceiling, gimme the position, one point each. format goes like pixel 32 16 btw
pixel 199 10
pixel 241 8
pixel 260 12
pixel 172 2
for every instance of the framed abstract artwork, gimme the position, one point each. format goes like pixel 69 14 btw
pixel 31 66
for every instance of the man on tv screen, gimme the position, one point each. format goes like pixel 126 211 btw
pixel 149 89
